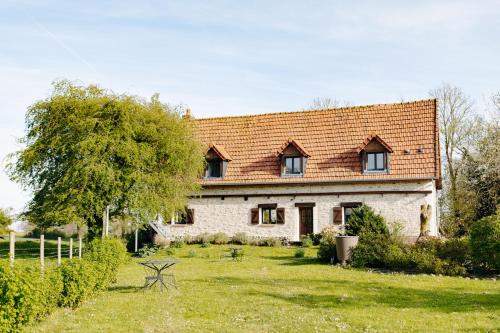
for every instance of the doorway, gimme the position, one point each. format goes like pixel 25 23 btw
pixel 305 221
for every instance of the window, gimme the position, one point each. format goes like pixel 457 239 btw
pixel 268 215
pixel 179 218
pixel 347 214
pixel 293 165
pixel 214 168
pixel 375 162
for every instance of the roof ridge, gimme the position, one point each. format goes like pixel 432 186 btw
pixel 356 107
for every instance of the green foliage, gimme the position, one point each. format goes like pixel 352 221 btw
pixel 327 251
pixel 203 238
pixel 146 251
pixel 240 238
pixel 26 295
pixel 177 243
pixel 220 238
pixel 80 280
pixel 268 241
pixel 306 242
pixel 191 254
pixel 49 234
pixel 299 253
pixel 364 219
pixel 87 148
pixel 5 218
pixel 371 250
pixel 108 254
pixel 485 243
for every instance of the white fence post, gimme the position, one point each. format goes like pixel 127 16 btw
pixel 71 248
pixel 12 247
pixel 58 251
pixel 42 252
pixel 80 247
pixel 136 243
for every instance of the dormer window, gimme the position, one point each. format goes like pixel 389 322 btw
pixel 217 161
pixel 376 161
pixel 293 165
pixel 293 159
pixel 375 154
pixel 214 168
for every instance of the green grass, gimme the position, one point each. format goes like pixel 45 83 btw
pixel 271 291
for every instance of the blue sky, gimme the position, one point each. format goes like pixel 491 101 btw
pixel 242 57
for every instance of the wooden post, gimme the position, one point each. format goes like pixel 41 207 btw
pixel 12 247
pixel 58 251
pixel 42 252
pixel 136 243
pixel 79 247
pixel 71 248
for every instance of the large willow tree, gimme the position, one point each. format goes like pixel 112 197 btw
pixel 86 148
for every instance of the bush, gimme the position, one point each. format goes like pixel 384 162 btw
pixel 270 242
pixel 456 250
pixel 48 234
pixel 26 295
pixel 299 253
pixel 80 281
pixel 327 251
pixel 485 244
pixel 146 251
pixel 161 241
pixel 307 242
pixel 371 250
pixel 108 254
pixel 220 238
pixel 240 238
pixel 316 238
pixel 177 243
pixel 191 254
pixel 364 219
pixel 203 238
pixel 205 244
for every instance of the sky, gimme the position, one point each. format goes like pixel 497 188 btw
pixel 242 57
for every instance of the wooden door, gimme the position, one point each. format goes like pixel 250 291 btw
pixel 305 221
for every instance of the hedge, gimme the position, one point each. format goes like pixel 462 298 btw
pixel 27 295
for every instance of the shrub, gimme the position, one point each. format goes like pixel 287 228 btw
pixel 364 219
pixel 80 280
pixel 307 242
pixel 205 244
pixel 220 238
pixel 108 254
pixel 271 242
pixel 327 251
pixel 191 254
pixel 161 241
pixel 456 250
pixel 299 253
pixel 177 243
pixel 26 295
pixel 371 250
pixel 146 251
pixel 48 234
pixel 240 238
pixel 485 243
pixel 203 238
pixel 316 238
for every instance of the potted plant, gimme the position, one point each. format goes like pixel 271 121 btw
pixel 345 244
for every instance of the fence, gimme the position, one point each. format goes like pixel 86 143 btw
pixel 33 249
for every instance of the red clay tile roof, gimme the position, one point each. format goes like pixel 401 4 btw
pixel 369 139
pixel 294 143
pixel 220 151
pixel 331 138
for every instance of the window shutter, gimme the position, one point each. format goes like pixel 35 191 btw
pixel 189 216
pixel 255 215
pixel 280 214
pixel 337 215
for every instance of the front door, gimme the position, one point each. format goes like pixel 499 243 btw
pixel 305 221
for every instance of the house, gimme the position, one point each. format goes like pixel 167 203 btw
pixel 289 174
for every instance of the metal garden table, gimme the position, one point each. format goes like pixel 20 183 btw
pixel 159 267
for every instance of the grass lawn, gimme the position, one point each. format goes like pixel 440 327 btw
pixel 270 291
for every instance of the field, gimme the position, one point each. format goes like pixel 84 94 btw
pixel 271 291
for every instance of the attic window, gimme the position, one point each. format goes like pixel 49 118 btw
pixel 375 154
pixel 376 161
pixel 293 159
pixel 217 161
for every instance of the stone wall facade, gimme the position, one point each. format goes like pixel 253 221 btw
pixel 228 209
